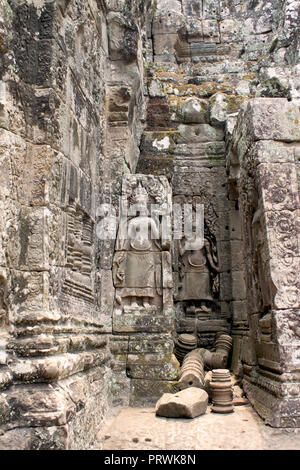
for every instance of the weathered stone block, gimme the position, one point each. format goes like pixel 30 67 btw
pixel 192 8
pixel 186 325
pixel 276 412
pixel 169 6
pixel 268 151
pixel 147 343
pixel 30 291
pixel 156 166
pixel 54 405
pixel 118 344
pixel 197 150
pixel 155 89
pixel 288 326
pixel 237 255
pixel 238 285
pixel 147 392
pixel 230 30
pixel 247 353
pixel 33 244
pixel 141 323
pixel 210 9
pixel 158 114
pixel 285 282
pixel 273 119
pixel 152 366
pixel 120 385
pixel 235 225
pixel 194 111
pixel 278 185
pixel 209 180
pixel 236 354
pixel 239 310
pixel 282 233
pixel 210 31
pixel 211 325
pixel 106 294
pixel 222 227
pixel 225 286
pixel 225 259
pixel 290 360
pixel 199 133
pixel 268 352
pixel 158 143
pixel 123 36
pixel 218 110
pixel 35 438
pixel 188 403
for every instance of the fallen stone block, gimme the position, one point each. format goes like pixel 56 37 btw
pixel 188 403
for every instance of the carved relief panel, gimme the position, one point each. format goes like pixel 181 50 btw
pixel 142 269
pixel 79 254
pixel 269 203
pixel 196 261
pixel 258 281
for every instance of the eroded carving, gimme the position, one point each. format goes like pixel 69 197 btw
pixel 198 285
pixel 142 262
pixel 79 254
pixel 198 269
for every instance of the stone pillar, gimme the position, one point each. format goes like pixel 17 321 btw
pixel 143 280
pixel 264 141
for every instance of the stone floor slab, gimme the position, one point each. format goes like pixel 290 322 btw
pixel 140 429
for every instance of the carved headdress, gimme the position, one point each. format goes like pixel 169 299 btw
pixel 140 196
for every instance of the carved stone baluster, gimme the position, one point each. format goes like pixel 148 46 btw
pixel 221 389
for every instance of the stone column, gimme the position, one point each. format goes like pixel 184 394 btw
pixel 265 141
pixel 142 272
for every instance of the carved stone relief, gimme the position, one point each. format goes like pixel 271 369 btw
pixel 79 254
pixel 198 280
pixel 142 262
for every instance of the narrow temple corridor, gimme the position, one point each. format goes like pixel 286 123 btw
pixel 149 224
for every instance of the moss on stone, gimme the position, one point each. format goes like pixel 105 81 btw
pixel 249 76
pixel 205 90
pixel 272 88
pixel 6 34
pixel 234 103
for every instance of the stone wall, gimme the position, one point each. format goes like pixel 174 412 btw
pixel 92 91
pixel 263 150
pixel 71 112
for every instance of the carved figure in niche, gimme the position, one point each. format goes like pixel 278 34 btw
pixel 138 269
pixel 197 273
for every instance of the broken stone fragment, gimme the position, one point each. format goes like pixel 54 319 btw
pixel 155 89
pixel 239 398
pixel 195 111
pixel 218 112
pixel 188 403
